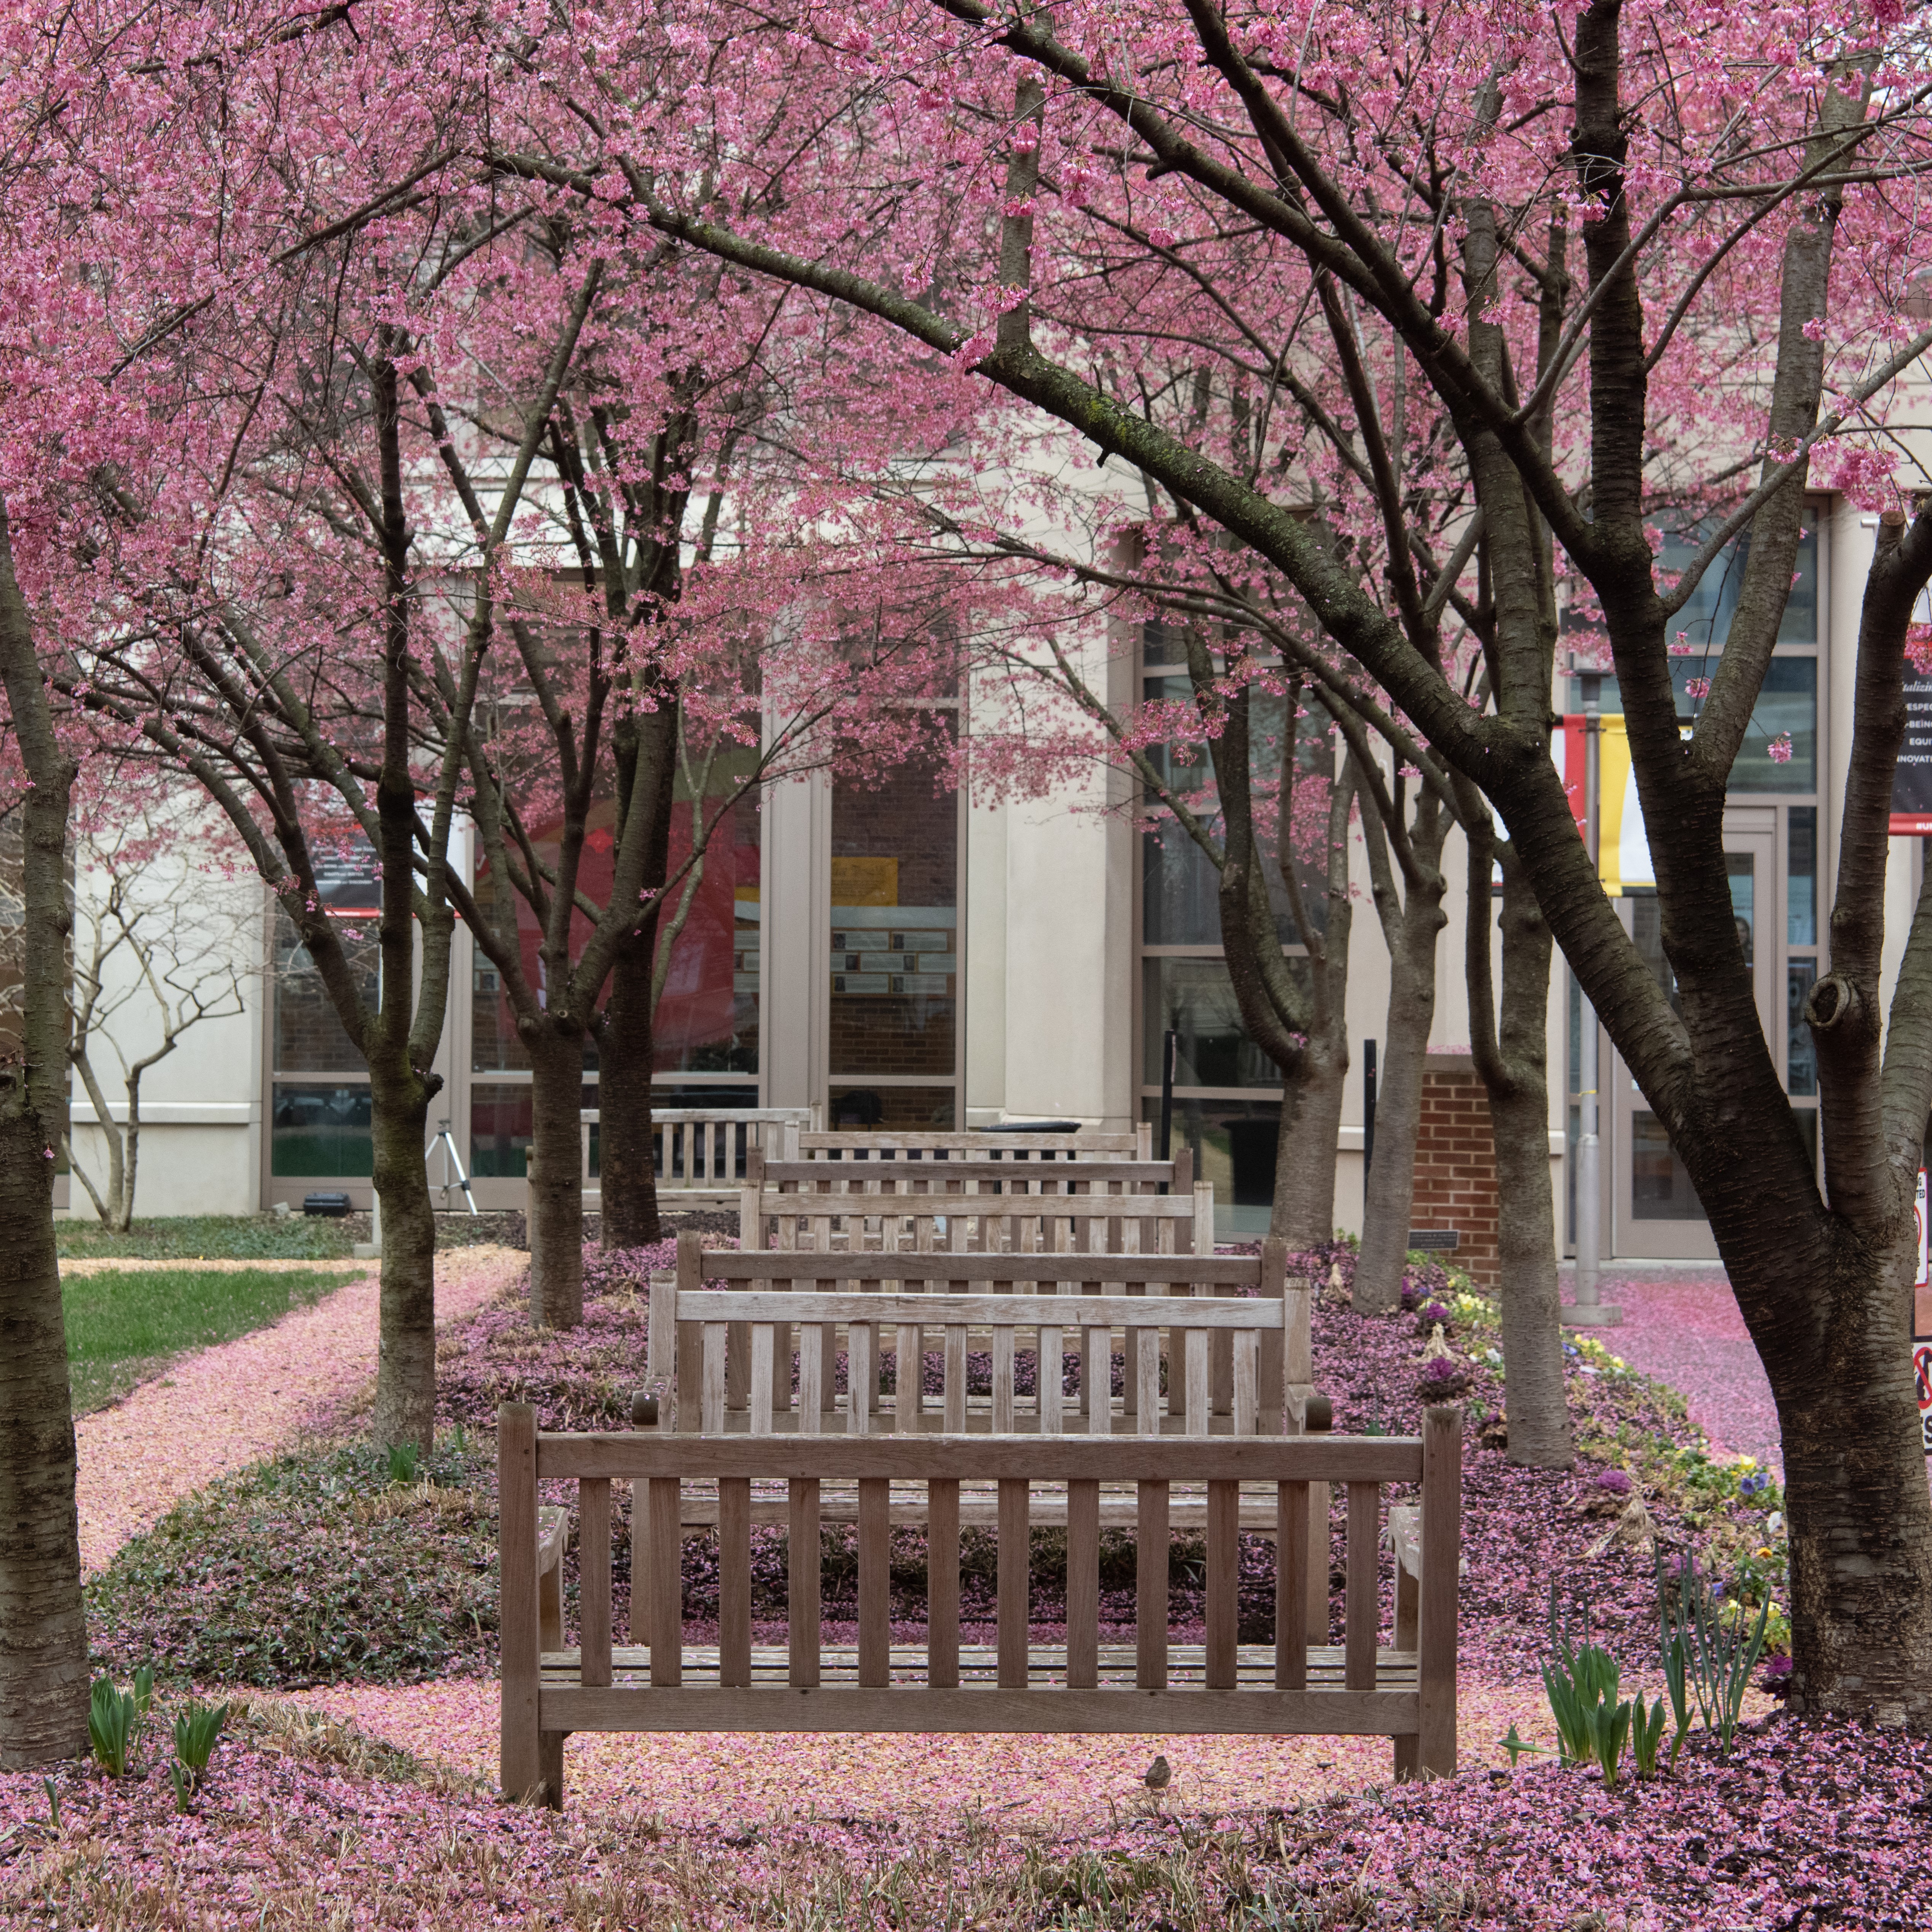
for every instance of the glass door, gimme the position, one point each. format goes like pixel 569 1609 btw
pixel 1654 1212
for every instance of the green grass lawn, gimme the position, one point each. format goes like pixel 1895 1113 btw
pixel 123 1327
pixel 301 1237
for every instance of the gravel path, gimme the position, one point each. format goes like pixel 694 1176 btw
pixel 1040 1782
pixel 222 1407
pixel 1683 1328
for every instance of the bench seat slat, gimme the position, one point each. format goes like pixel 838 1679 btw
pixel 1173 1712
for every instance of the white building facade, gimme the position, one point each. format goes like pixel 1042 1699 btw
pixel 907 956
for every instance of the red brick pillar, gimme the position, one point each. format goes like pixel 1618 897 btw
pixel 1456 1168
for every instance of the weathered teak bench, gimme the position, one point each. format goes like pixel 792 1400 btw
pixel 1020 1219
pixel 950 1174
pixel 886 1143
pixel 1210 1344
pixel 704 1151
pixel 722 1348
pixel 1405 1690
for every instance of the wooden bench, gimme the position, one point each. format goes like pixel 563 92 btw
pixel 1210 1344
pixel 1023 1219
pixel 945 1173
pixel 1404 1689
pixel 721 1345
pixel 705 1150
pixel 886 1144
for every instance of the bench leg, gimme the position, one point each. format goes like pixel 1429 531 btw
pixel 1407 1759
pixel 549 1761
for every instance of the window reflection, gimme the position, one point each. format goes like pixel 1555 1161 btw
pixel 1195 999
pixel 1800 900
pixel 1660 1189
pixel 1801 1050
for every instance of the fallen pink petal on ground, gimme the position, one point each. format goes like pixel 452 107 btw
pixel 223 1407
pixel 1060 1783
pixel 1684 1328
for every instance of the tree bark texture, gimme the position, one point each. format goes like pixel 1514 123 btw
pixel 1511 1055
pixel 1314 1064
pixel 556 1177
pixel 399 1103
pixel 627 1152
pixel 646 750
pixel 1303 1213
pixel 43 1685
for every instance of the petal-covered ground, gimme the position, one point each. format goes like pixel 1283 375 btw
pixel 222 1407
pixel 1683 1327
pixel 1059 1784
pixel 360 1803
pixel 306 1824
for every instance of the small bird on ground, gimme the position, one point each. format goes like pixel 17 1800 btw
pixel 1159 1773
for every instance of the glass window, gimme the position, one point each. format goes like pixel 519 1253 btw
pixel 495 1046
pixel 320 1132
pixel 1195 999
pixel 707 1015
pixel 894 958
pixel 1741 868
pixel 1787 708
pixel 1705 620
pixel 927 1109
pixel 1234 1144
pixel 1800 902
pixel 1180 899
pixel 501 1121
pixel 1180 889
pixel 309 1036
pixel 1660 1189
pixel 1800 1053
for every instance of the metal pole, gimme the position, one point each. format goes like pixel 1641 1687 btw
pixel 1589 1311
pixel 1368 1112
pixel 1169 1046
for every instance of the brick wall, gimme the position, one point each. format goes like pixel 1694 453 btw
pixel 1456 1169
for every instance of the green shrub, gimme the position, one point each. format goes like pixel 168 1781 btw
pixel 313 1568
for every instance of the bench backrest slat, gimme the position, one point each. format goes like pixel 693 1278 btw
pixel 985 1311
pixel 1136 1143
pixel 966 1222
pixel 965 1175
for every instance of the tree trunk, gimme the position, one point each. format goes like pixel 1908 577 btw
pixel 43 1636
pixel 131 1159
pixel 1517 1079
pixel 1854 1493
pixel 1311 1124
pixel 43 1632
pixel 556 1177
pixel 1389 1195
pixel 406 1366
pixel 627 1162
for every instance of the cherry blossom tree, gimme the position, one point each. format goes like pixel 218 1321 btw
pixel 1745 189
pixel 280 600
